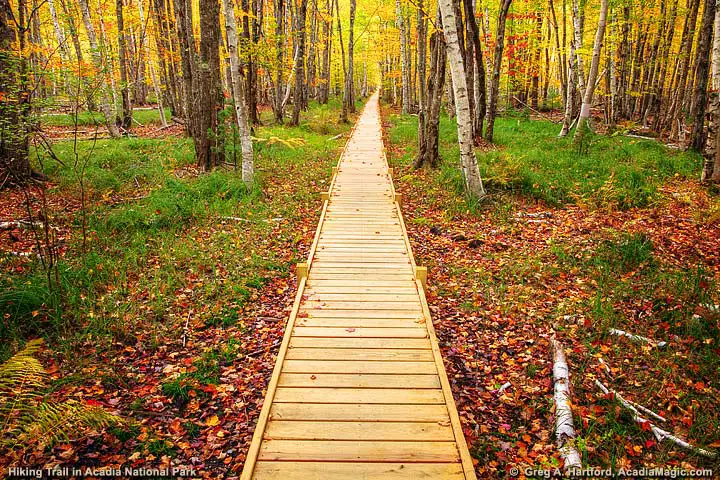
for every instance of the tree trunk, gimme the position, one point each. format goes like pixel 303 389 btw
pixel 324 90
pixel 497 68
pixel 127 109
pixel 697 141
pixel 14 103
pixel 711 164
pixel 208 146
pixel 344 110
pixel 300 66
pixel 188 55
pixel 422 94
pixel 584 120
pixel 480 106
pixel 405 70
pixel 246 147
pixel 349 94
pixel 468 161
pixel 105 101
pixel 151 67
pixel 428 153
pixel 279 57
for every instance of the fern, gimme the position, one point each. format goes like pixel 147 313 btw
pixel 26 418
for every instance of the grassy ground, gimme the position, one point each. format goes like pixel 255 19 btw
pixel 570 245
pixel 180 294
pixel 142 115
pixel 529 159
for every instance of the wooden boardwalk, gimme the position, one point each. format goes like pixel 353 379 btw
pixel 359 390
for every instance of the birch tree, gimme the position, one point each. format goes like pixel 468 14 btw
pixel 711 154
pixel 248 168
pixel 584 119
pixel 468 161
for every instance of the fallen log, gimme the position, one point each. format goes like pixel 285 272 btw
pixel 564 428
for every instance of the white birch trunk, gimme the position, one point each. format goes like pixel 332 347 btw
pixel 248 165
pixel 107 109
pixel 468 161
pixel 564 428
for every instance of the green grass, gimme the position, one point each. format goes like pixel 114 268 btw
pixel 91 119
pixel 531 160
pixel 152 222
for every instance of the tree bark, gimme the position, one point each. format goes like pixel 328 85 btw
pixel 422 94
pixel 480 106
pixel 188 55
pixel 468 161
pixel 127 108
pixel 497 68
pixel 405 70
pixel 208 145
pixel 349 92
pixel 241 115
pixel 697 140
pixel 300 66
pixel 14 103
pixel 324 87
pixel 428 152
pixel 279 106
pixel 711 164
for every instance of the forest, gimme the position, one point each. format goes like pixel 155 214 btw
pixel 507 210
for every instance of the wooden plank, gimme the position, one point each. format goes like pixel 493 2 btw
pixel 315 283
pixel 350 366
pixel 360 332
pixel 359 322
pixel 359 288
pixel 360 354
pixel 357 471
pixel 360 276
pixel 359 412
pixel 362 297
pixel 353 451
pixel 335 342
pixel 404 396
pixel 358 380
pixel 360 305
pixel 360 313
pixel 359 431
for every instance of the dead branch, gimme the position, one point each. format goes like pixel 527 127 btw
pixel 659 433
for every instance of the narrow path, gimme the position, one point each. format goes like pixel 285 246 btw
pixel 359 390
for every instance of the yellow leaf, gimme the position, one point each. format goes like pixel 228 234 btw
pixel 212 421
